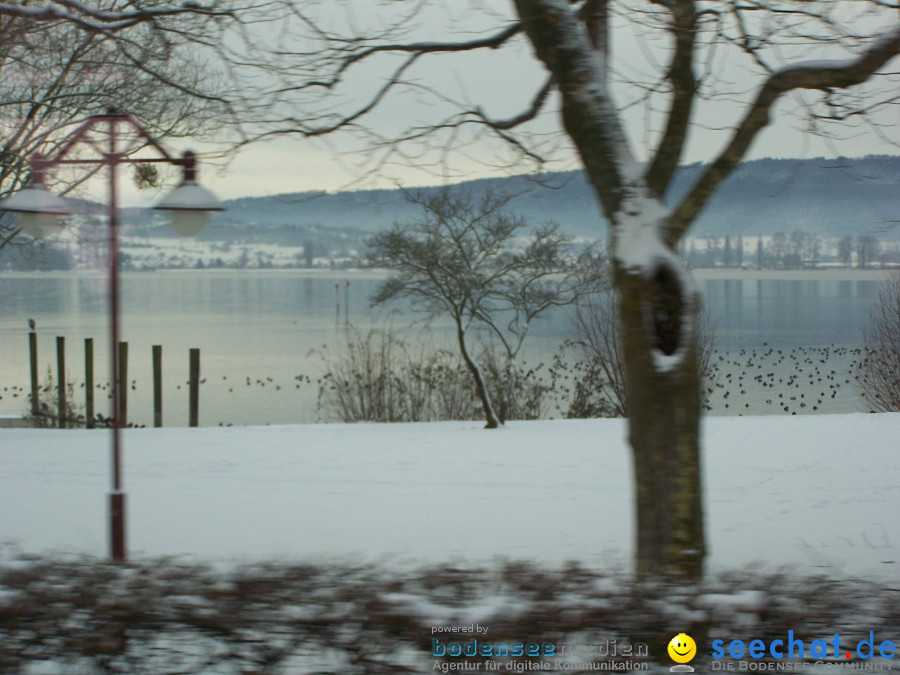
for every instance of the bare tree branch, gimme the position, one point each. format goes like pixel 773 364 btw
pixel 819 76
pixel 532 111
pixel 588 111
pixel 351 55
pixel 669 151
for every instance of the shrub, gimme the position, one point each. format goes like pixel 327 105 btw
pixel 379 376
pixel 878 374
pixel 599 374
pixel 48 406
pixel 82 615
pixel 73 414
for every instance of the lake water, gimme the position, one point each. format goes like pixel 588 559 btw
pixel 261 333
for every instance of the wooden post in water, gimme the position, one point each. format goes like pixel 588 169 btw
pixel 89 383
pixel 157 385
pixel 194 403
pixel 61 381
pixel 35 394
pixel 122 408
pixel 347 301
pixel 337 303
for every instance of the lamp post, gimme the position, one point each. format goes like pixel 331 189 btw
pixel 38 210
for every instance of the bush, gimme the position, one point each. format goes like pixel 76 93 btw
pixel 73 413
pixel 78 615
pixel 598 372
pixel 48 406
pixel 379 376
pixel 878 374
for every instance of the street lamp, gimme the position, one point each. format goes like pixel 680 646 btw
pixel 39 210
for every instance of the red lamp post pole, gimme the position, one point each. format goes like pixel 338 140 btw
pixel 189 199
pixel 117 495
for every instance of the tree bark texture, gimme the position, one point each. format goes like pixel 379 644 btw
pixel 663 407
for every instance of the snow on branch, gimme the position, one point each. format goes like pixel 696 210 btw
pixel 578 62
pixel 97 20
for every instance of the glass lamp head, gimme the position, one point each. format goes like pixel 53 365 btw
pixel 189 204
pixel 37 211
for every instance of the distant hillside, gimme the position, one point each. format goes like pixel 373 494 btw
pixel 826 197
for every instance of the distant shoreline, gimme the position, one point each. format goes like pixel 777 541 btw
pixel 702 273
pixel 820 274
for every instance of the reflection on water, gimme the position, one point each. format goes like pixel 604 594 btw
pixel 258 330
pixel 788 313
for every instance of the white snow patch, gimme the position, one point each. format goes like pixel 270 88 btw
pixel 743 600
pixel 818 493
pixel 638 242
pixel 480 613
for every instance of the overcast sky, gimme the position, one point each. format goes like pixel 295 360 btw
pixel 502 81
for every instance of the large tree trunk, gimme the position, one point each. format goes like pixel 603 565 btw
pixel 658 317
pixel 658 312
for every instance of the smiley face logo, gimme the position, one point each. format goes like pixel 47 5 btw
pixel 682 648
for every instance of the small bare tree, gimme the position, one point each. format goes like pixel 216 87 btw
pixel 597 339
pixel 879 371
pixel 467 257
pixel 866 249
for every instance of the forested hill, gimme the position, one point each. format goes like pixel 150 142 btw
pixel 826 197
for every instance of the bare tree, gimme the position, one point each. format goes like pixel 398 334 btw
pixel 798 242
pixel 713 250
pixel 778 248
pixel 347 73
pixel 845 249
pixel 466 257
pixel 691 48
pixel 879 370
pixel 62 61
pixel 866 249
pixel 812 249
pixel 597 338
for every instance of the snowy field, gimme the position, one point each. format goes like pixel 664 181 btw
pixel 815 493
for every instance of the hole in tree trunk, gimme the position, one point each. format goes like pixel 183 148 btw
pixel 666 310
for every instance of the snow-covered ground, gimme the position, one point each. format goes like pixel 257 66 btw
pixel 819 492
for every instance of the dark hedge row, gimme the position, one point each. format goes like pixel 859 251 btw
pixel 71 615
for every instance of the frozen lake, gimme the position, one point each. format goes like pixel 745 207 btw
pixel 258 330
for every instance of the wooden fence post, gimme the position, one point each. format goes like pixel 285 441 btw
pixel 89 383
pixel 337 303
pixel 122 407
pixel 157 385
pixel 61 381
pixel 195 387
pixel 35 394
